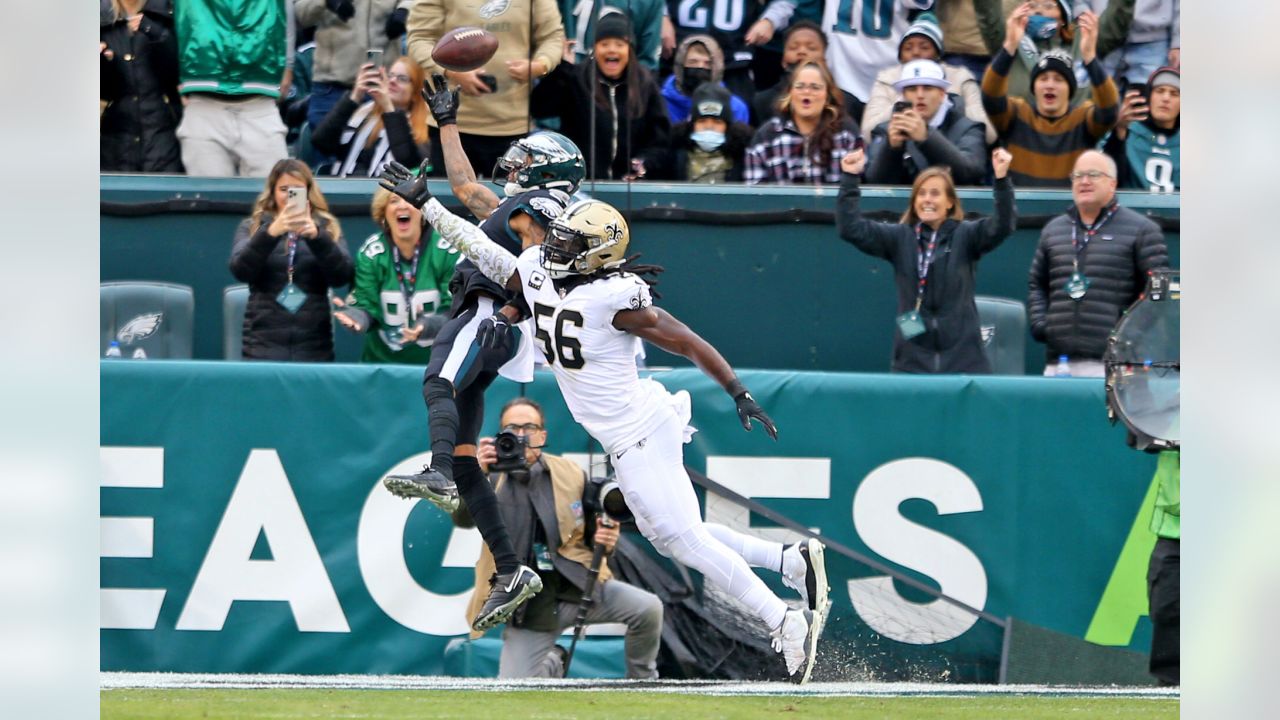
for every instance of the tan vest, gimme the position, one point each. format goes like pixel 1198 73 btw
pixel 567 483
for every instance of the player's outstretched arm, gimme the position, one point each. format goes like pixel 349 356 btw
pixel 662 329
pixel 490 258
pixel 477 198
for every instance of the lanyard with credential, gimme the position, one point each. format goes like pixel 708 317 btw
pixel 923 261
pixel 409 280
pixel 1078 244
pixel 292 245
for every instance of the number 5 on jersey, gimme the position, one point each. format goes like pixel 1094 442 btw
pixel 548 323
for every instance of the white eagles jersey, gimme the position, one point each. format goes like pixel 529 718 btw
pixel 864 37
pixel 594 362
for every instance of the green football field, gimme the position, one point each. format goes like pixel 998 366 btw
pixel 178 704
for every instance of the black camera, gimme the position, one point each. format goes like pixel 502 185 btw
pixel 510 448
pixel 603 495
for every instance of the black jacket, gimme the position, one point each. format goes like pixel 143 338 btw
pixel 675 161
pixel 958 142
pixel 952 342
pixel 328 138
pixel 565 93
pixel 270 331
pixel 140 85
pixel 1115 261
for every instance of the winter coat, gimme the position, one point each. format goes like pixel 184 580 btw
pixel 271 332
pixel 1115 261
pixel 952 341
pixel 140 86
pixel 965 90
pixel 958 143
pixel 675 165
pixel 622 134
pixel 342 134
pixel 680 105
pixel 1113 31
pixel 341 46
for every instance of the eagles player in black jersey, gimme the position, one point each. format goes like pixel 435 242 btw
pixel 541 171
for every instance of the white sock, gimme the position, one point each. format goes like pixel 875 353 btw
pixel 792 564
pixel 758 553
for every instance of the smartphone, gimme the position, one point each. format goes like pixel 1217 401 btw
pixel 491 81
pixel 297 198
pixel 901 106
pixel 373 56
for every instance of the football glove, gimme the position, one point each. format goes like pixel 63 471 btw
pixel 748 408
pixel 401 181
pixel 442 101
pixel 493 331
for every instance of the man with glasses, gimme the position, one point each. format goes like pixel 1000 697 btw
pixel 542 505
pixel 1048 133
pixel 1091 264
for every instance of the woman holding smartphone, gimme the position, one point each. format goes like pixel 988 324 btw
pixel 384 118
pixel 290 251
pixel 934 252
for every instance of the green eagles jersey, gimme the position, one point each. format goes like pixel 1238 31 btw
pixel 377 291
pixel 1154 159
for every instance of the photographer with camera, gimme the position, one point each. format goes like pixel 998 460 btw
pixel 555 520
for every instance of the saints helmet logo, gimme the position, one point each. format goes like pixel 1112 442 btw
pixel 612 233
pixel 139 328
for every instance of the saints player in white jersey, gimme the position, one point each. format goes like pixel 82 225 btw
pixel 589 311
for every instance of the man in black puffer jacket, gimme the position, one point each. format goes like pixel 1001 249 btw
pixel 1091 264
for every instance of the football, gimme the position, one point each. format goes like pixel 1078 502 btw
pixel 464 48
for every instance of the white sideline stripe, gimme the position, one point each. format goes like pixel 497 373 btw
pixel 124 680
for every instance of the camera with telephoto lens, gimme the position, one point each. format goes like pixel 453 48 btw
pixel 510 448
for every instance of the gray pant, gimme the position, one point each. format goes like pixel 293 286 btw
pixel 528 653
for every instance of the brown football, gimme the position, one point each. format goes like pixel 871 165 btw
pixel 465 48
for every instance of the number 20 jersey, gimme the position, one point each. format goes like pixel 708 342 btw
pixel 594 362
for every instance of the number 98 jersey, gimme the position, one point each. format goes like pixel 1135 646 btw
pixel 594 362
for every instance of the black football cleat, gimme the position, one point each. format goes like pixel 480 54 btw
pixel 429 485
pixel 506 593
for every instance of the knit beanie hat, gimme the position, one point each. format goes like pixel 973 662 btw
pixel 925 25
pixel 1165 76
pixel 614 25
pixel 711 100
pixel 1059 62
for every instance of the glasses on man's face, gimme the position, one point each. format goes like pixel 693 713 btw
pixel 815 87
pixel 1076 175
pixel 525 428
pixel 402 79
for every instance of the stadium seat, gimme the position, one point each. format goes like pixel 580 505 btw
pixel 1003 323
pixel 234 298
pixel 148 319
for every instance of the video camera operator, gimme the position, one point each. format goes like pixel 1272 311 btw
pixel 545 505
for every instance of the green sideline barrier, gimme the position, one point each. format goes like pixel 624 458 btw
pixel 781 295
pixel 244 528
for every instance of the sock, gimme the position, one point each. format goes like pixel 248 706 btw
pixel 481 502
pixel 792 564
pixel 442 420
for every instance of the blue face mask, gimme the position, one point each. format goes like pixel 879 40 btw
pixel 1040 27
pixel 708 140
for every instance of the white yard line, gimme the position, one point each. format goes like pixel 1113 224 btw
pixel 121 680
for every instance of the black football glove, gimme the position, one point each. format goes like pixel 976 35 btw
pixel 401 181
pixel 748 408
pixel 493 331
pixel 342 8
pixel 395 23
pixel 442 101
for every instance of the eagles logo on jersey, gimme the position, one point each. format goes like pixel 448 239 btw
pixel 589 236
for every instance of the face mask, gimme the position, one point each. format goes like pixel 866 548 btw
pixel 708 140
pixel 1040 27
pixel 693 77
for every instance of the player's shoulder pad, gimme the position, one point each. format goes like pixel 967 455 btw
pixel 373 246
pixel 627 291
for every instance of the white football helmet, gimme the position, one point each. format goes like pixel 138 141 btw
pixel 589 236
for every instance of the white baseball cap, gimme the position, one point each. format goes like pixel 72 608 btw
pixel 922 72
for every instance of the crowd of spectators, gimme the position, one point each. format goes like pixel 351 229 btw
pixel 202 89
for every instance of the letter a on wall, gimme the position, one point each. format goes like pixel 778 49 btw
pixel 263 503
